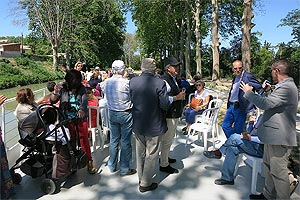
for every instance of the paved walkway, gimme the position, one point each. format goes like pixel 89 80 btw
pixel 195 180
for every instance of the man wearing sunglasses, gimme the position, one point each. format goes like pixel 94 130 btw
pixel 237 105
pixel 277 130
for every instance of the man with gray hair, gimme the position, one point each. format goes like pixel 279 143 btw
pixel 150 103
pixel 173 113
pixel 116 90
pixel 277 130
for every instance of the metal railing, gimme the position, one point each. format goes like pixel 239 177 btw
pixel 9 123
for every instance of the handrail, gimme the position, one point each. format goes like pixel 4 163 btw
pixel 4 114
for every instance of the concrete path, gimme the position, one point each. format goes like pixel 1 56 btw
pixel 195 180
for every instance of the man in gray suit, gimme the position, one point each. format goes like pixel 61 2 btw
pixel 150 102
pixel 277 130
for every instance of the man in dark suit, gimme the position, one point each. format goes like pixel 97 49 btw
pixel 174 112
pixel 277 130
pixel 150 102
pixel 237 105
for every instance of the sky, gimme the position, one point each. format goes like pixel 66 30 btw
pixel 266 17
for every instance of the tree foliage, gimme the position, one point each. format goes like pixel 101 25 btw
pixel 293 20
pixel 88 30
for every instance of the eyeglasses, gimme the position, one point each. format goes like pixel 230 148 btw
pixel 238 68
pixel 198 85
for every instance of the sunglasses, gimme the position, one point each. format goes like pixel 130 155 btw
pixel 238 68
pixel 198 85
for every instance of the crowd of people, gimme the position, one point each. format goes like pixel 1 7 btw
pixel 150 105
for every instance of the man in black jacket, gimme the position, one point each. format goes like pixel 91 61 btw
pixel 150 102
pixel 173 114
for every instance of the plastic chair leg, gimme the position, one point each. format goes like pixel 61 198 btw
pixel 254 176
pixel 93 130
pixel 237 164
pixel 187 137
pixel 204 136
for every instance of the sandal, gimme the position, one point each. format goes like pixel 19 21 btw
pixel 90 167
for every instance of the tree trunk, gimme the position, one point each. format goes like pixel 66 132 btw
pixel 198 38
pixel 215 41
pixel 246 32
pixel 187 43
pixel 55 58
pixel 181 55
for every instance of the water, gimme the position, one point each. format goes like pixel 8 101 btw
pixel 12 92
pixel 10 129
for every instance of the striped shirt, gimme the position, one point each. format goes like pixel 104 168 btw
pixel 116 90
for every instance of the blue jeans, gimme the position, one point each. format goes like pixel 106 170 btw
pixel 120 134
pixel 234 146
pixel 234 116
pixel 190 115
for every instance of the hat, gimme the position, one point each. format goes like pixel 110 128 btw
pixel 118 65
pixel 172 61
pixel 97 68
pixel 148 64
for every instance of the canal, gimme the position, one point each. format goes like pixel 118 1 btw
pixel 10 124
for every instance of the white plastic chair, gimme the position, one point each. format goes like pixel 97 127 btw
pixel 204 124
pixel 216 103
pixel 257 168
pixel 102 131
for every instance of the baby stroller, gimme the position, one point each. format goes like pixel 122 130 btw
pixel 47 148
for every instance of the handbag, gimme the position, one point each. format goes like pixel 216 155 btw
pixel 195 102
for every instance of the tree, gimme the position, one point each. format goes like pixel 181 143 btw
pixel 197 18
pixel 51 17
pixel 246 30
pixel 215 41
pixel 293 20
pixel 129 48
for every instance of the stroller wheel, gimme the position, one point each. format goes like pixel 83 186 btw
pixel 48 186
pixel 16 177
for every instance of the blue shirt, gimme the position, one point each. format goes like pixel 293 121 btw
pixel 234 97
pixel 116 90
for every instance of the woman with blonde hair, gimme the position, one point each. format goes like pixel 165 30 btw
pixel 79 66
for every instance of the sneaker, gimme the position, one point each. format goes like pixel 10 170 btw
pixel 213 154
pixel 223 182
pixel 130 172
pixel 168 169
pixel 153 186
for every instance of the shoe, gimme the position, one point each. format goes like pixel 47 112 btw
pixel 168 169
pixel 153 186
pixel 183 129
pixel 130 172
pixel 170 160
pixel 257 196
pixel 90 167
pixel 223 182
pixel 212 154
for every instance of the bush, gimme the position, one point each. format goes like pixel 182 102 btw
pixel 25 72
